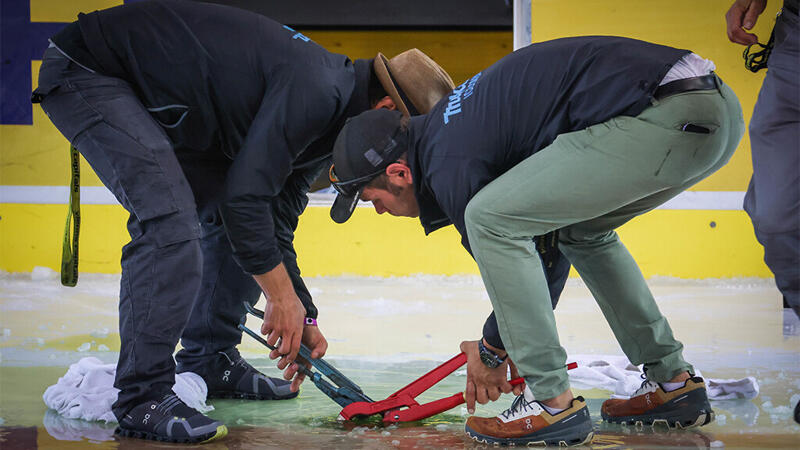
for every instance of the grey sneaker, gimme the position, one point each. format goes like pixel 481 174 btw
pixel 169 420
pixel 230 376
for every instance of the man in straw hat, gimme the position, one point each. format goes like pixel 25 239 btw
pixel 209 123
pixel 578 136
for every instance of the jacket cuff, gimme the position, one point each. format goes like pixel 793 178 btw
pixel 311 310
pixel 491 333
pixel 257 265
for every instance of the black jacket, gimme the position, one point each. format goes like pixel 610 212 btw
pixel 220 79
pixel 517 107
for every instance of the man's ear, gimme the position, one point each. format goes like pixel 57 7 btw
pixel 400 173
pixel 385 102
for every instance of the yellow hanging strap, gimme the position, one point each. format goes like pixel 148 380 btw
pixel 69 253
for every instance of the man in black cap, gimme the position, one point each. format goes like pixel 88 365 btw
pixel 577 136
pixel 209 123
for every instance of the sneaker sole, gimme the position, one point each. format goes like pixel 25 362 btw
pixel 700 415
pixel 674 421
pixel 580 436
pixel 250 396
pixel 219 433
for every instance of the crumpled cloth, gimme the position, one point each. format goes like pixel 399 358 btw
pixel 730 389
pixel 622 378
pixel 87 391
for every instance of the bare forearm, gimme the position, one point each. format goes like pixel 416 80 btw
pixel 276 284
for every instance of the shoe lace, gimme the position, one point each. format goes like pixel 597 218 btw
pixel 227 357
pixel 240 361
pixel 646 386
pixel 168 403
pixel 519 405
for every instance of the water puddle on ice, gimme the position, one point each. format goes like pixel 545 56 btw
pixel 384 333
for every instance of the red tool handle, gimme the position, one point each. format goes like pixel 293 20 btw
pixel 419 412
pixel 426 410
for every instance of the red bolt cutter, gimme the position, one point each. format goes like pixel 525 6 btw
pixel 401 406
pixel 398 407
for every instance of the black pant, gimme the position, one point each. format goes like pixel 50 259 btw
pixel 212 325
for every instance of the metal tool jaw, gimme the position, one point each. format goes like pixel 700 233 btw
pixel 343 393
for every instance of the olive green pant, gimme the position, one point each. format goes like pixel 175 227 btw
pixel 586 184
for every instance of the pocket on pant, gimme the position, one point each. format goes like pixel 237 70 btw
pixel 174 228
pixel 41 92
pixel 51 74
pixel 68 112
pixel 698 127
pixel 178 272
pixel 158 290
pixel 599 130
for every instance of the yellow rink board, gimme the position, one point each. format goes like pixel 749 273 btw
pixel 696 25
pixel 675 243
pixel 665 242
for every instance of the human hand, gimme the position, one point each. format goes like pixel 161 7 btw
pixel 283 319
pixel 316 342
pixel 484 383
pixel 743 15
pixel 283 316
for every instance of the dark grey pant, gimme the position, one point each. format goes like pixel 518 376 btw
pixel 773 197
pixel 212 325
pixel 178 274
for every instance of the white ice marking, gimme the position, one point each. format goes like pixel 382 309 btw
pixel 100 333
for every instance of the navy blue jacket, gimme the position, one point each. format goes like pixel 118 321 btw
pixel 221 79
pixel 515 108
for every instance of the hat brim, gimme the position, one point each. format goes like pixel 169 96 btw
pixel 381 67
pixel 344 205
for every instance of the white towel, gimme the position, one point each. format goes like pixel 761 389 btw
pixel 87 391
pixel 746 388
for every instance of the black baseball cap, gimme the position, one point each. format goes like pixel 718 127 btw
pixel 365 147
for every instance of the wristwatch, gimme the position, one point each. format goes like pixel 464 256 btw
pixel 488 357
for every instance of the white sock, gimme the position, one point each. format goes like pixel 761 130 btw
pixel 668 387
pixel 552 411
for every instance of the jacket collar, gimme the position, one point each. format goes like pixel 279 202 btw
pixel 359 100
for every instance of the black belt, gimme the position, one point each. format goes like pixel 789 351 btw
pixel 704 83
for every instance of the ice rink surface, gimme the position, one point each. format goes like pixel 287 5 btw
pixel 385 332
